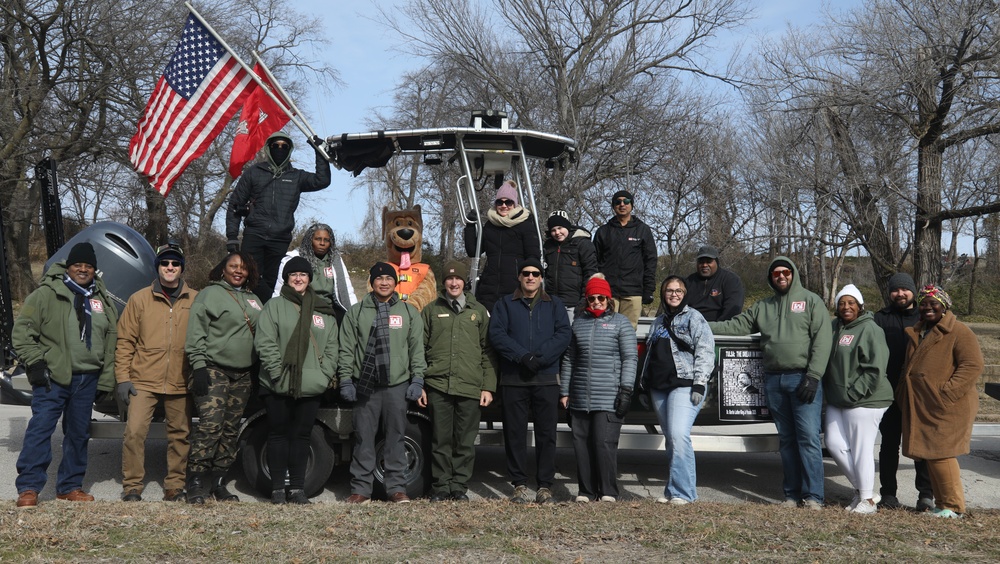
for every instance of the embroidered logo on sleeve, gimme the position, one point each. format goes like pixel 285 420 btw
pixel 798 307
pixel 97 306
pixel 318 322
pixel 395 321
pixel 846 340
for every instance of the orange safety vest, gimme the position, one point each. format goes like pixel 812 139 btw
pixel 410 279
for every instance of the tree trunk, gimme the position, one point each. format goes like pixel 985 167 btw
pixel 156 230
pixel 927 228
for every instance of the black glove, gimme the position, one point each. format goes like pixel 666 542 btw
pixel 646 401
pixel 232 246
pixel 647 299
pixel 531 362
pixel 39 375
pixel 414 389
pixel 623 401
pixel 199 379
pixel 315 141
pixel 347 389
pixel 124 391
pixel 472 215
pixel 697 394
pixel 806 391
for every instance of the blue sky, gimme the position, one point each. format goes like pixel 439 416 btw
pixel 369 61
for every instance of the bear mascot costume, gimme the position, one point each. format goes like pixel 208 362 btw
pixel 403 233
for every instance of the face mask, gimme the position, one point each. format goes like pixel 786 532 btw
pixel 279 154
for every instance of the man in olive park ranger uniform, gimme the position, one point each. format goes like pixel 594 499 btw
pixel 460 379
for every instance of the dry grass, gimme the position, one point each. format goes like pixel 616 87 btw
pixel 488 531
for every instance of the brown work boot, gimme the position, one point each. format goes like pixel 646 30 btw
pixel 399 497
pixel 174 494
pixel 28 499
pixel 358 499
pixel 75 495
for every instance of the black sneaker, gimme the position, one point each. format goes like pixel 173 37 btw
pixel 459 496
pixel 889 502
pixel 437 497
pixel 132 495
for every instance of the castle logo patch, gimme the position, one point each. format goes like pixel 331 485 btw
pixel 798 307
pixel 395 321
pixel 254 304
pixel 328 272
pixel 97 306
pixel 318 322
pixel 846 340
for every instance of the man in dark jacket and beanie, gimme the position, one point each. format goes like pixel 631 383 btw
pixel 461 378
pixel 65 336
pixel 796 336
pixel 626 254
pixel 899 313
pixel 570 260
pixel 714 291
pixel 530 331
pixel 265 199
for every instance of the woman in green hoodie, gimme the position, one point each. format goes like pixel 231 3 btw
pixel 297 343
pixel 219 347
pixel 857 394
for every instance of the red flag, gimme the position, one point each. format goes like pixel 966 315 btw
pixel 197 95
pixel 261 116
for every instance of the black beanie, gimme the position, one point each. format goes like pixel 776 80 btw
pixel 902 280
pixel 82 252
pixel 296 264
pixel 781 262
pixel 556 220
pixel 381 269
pixel 622 194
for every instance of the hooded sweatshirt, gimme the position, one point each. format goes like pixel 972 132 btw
pixel 47 330
pixel 794 327
pixel 856 374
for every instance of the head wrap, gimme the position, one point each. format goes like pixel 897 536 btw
pixel 935 292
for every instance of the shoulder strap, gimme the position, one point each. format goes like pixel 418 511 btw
pixel 243 310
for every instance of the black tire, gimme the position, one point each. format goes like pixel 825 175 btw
pixel 417 442
pixel 255 467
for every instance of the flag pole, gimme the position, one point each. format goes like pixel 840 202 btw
pixel 256 79
pixel 284 95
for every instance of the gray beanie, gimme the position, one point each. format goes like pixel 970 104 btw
pixel 901 280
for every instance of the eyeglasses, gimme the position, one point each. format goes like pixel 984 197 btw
pixel 625 201
pixel 174 263
pixel 531 273
pixel 674 292
pixel 783 273
pixel 504 202
pixel 170 247
pixel 596 299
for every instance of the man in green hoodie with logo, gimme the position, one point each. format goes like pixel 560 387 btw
pixel 796 338
pixel 65 336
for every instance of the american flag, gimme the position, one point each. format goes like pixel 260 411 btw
pixel 203 86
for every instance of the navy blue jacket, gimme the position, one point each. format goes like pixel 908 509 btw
pixel 517 330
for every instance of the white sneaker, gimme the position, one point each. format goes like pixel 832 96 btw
pixel 678 501
pixel 854 502
pixel 812 504
pixel 662 499
pixel 582 499
pixel 608 498
pixel 865 508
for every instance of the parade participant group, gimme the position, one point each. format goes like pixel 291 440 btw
pixel 538 337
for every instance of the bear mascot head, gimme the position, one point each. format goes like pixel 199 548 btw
pixel 404 237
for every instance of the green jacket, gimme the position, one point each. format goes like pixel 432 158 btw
pixel 47 329
pixel 460 360
pixel 218 331
pixel 856 376
pixel 794 328
pixel 275 327
pixel 406 341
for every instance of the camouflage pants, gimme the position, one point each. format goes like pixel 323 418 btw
pixel 215 439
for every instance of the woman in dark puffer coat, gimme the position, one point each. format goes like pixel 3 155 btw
pixel 597 376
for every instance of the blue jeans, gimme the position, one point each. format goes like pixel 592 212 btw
pixel 75 403
pixel 676 414
pixel 798 427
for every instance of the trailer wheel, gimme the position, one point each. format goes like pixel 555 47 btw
pixel 417 473
pixel 318 467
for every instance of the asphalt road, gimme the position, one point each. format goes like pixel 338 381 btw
pixel 722 477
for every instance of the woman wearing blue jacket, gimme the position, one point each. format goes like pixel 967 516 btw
pixel 597 377
pixel 680 357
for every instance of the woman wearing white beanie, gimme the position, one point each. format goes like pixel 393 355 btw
pixel 857 394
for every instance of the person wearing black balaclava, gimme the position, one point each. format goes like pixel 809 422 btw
pixel 265 199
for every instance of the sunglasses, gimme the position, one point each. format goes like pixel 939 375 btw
pixel 504 202
pixel 174 263
pixel 531 273
pixel 781 273
pixel 596 299
pixel 621 201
